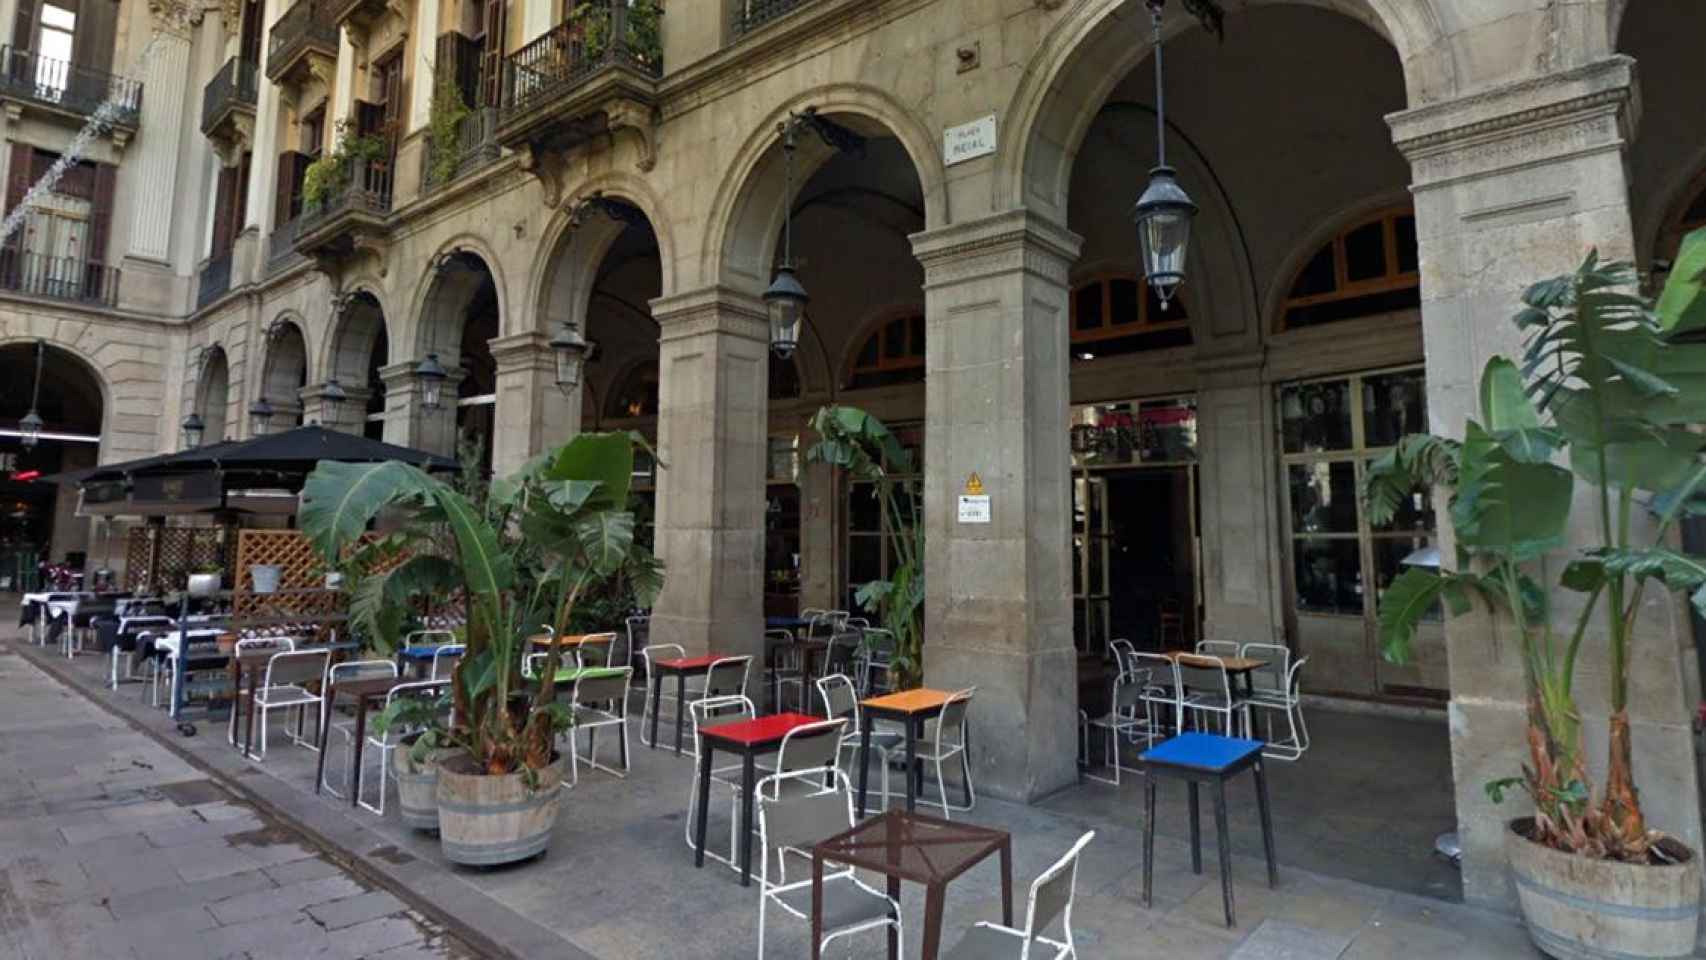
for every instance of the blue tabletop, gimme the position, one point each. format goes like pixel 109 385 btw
pixel 784 623
pixel 1202 751
pixel 424 651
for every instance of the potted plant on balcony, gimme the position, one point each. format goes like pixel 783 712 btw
pixel 1608 384
pixel 520 555
pixel 327 176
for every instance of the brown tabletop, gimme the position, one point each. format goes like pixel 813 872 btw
pixel 910 708
pixel 923 849
pixel 1234 665
pixel 363 693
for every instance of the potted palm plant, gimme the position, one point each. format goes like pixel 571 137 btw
pixel 520 552
pixel 1607 385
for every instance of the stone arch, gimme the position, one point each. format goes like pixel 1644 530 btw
pixel 454 278
pixel 355 331
pixel 429 289
pixel 1336 222
pixel 1092 49
pixel 746 214
pixel 213 396
pixel 567 263
pixel 869 326
pixel 284 368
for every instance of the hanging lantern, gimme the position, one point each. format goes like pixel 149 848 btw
pixel 29 428
pixel 786 301
pixel 260 417
pixel 571 350
pixel 431 375
pixel 332 397
pixel 1163 214
pixel 194 430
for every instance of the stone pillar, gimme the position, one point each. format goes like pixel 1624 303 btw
pixel 820 528
pixel 350 416
pixel 1240 501
pixel 263 166
pixel 998 609
pixel 160 142
pixel 409 424
pixel 1513 185
pixel 712 429
pixel 424 77
pixel 532 414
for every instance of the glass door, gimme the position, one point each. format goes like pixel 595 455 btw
pixel 1091 541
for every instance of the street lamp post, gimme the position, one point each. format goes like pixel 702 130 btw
pixel 194 430
pixel 1163 214
pixel 332 397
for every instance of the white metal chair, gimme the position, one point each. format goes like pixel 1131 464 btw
pixel 947 741
pixel 342 673
pixel 727 710
pixel 792 821
pixel 1287 701
pixel 284 687
pixel 1208 693
pixel 785 667
pixel 1130 715
pixel 652 653
pixel 726 677
pixel 1218 648
pixel 1164 687
pixel 253 645
pixel 598 647
pixel 597 702
pixel 841 702
pixel 390 740
pixel 875 655
pixel 638 628
pixel 1052 893
pixel 815 747
pixel 445 659
pixel 127 640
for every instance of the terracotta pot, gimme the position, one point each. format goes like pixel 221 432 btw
pixel 1578 908
pixel 485 820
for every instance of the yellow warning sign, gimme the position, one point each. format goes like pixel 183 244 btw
pixel 974 485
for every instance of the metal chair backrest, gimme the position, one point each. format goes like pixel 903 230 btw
pixel 599 688
pixel 595 650
pixel 292 667
pixel 840 702
pixel 424 689
pixel 1123 652
pixel 425 638
pixel 1052 891
pixel 263 644
pixel 953 718
pixel 717 708
pixel 1129 686
pixel 1294 682
pixel 1203 672
pixel 812 747
pixel 445 659
pixel 727 677
pixel 1163 673
pixel 653 652
pixel 363 670
pixel 1272 677
pixel 639 633
pixel 800 819
pixel 1218 648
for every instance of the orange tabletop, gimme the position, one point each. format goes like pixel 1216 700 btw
pixel 1233 664
pixel 909 701
pixel 572 639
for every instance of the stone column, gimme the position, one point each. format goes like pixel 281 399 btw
pixel 350 416
pixel 263 166
pixel 409 424
pixel 160 142
pixel 1513 185
pixel 1239 500
pixel 998 610
pixel 532 414
pixel 712 428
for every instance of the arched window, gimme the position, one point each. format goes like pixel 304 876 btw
pixel 1368 269
pixel 892 354
pixel 1117 313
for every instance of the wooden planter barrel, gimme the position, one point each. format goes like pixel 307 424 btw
pixel 485 820
pixel 417 788
pixel 1578 908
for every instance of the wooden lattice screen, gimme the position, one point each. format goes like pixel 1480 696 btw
pixel 159 559
pixel 302 577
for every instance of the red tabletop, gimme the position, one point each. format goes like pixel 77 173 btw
pixel 764 730
pixel 689 663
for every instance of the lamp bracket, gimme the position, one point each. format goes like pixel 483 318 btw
pixel 597 203
pixel 834 135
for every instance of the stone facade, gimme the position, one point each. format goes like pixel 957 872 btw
pixel 1515 131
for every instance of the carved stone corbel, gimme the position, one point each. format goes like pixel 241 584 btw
pixel 323 69
pixel 373 246
pixel 551 167
pixel 231 15
pixel 638 118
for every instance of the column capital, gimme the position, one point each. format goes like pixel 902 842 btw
pixel 1004 242
pixel 530 350
pixel 714 309
pixel 1571 113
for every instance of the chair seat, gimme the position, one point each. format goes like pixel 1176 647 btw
pixel 987 943
pixel 1271 698
pixel 844 903
pixel 884 740
pixel 592 717
pixel 284 696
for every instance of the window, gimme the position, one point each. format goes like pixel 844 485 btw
pixel 893 354
pixel 313 131
pixel 1369 269
pixel 1330 430
pixel 54 44
pixel 1118 314
pixel 871 555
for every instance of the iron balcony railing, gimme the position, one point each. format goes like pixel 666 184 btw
pixel 476 146
pixel 68 86
pixel 281 246
pixel 215 279
pixel 307 24
pixel 599 35
pixel 752 14
pixel 235 85
pixel 367 189
pixel 58 278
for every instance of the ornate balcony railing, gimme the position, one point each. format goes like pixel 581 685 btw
pixel 281 246
pixel 476 146
pixel 601 34
pixel 215 279
pixel 233 88
pixel 68 86
pixel 367 190
pixel 306 27
pixel 752 14
pixel 58 278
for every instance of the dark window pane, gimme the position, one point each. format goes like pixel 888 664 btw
pixel 1323 497
pixel 1122 299
pixel 1393 406
pixel 1328 575
pixel 1316 275
pixel 784 378
pixel 1404 232
pixel 1365 252
pixel 894 339
pixel 1389 557
pixel 864 560
pixel 1316 416
pixel 867 353
pixel 1169 431
pixel 915 326
pixel 864 515
pixel 1367 305
pixel 1089 304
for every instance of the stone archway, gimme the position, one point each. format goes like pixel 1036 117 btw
pixel 213 397
pixel 284 371
pixel 357 354
pixel 70 398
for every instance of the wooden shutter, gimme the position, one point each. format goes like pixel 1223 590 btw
pixel 92 46
pixel 287 198
pixel 223 199
pixel 496 23
pixel 369 118
pixel 459 55
pixel 18 174
pixel 100 220
pixel 240 210
pixel 249 46
pixel 23 35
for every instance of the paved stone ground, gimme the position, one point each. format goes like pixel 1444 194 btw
pixel 1354 820
pixel 111 847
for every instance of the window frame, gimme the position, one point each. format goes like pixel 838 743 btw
pixel 1107 329
pixel 877 329
pixel 1391 280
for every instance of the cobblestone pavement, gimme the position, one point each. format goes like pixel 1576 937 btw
pixel 112 847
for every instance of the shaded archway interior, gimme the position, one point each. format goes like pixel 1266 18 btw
pixel 360 350
pixel 213 397
pixel 1667 161
pixel 34 516
pixel 286 371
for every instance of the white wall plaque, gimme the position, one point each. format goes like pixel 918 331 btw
pixel 974 508
pixel 969 141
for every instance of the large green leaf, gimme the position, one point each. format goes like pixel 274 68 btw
pixel 379 604
pixel 606 537
pixel 340 499
pixel 1506 508
pixel 1675 570
pixel 1504 402
pixel 1682 303
pixel 487 570
pixel 1402 607
pixel 606 459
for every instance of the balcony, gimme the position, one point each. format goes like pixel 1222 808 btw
pixel 360 15
pixel 214 280
pixel 70 90
pixel 353 215
pixel 476 146
pixel 58 278
pixel 281 247
pixel 588 76
pixel 752 14
pixel 228 105
pixel 303 44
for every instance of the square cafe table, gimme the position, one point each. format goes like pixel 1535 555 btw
pixel 572 642
pixel 681 668
pixel 923 849
pixel 749 739
pixel 909 708
pixel 1238 669
pixel 364 693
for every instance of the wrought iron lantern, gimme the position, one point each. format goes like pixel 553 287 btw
pixel 431 375
pixel 260 416
pixel 1164 212
pixel 194 430
pixel 332 397
pixel 29 427
pixel 571 350
pixel 787 298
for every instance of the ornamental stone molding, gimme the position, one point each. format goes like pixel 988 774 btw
pixel 176 17
pixel 717 309
pixel 1017 240
pixel 641 120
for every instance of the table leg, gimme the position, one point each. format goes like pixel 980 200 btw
pixel 914 772
pixel 236 702
pixel 320 764
pixel 748 778
pixel 657 705
pixel 1267 822
pixel 1196 830
pixel 249 726
pixel 932 922
pixel 894 935
pixel 1224 844
pixel 702 811
pixel 864 759
pixel 360 741
pixel 1148 837
pixel 1007 882
pixel 817 906
pixel 680 708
